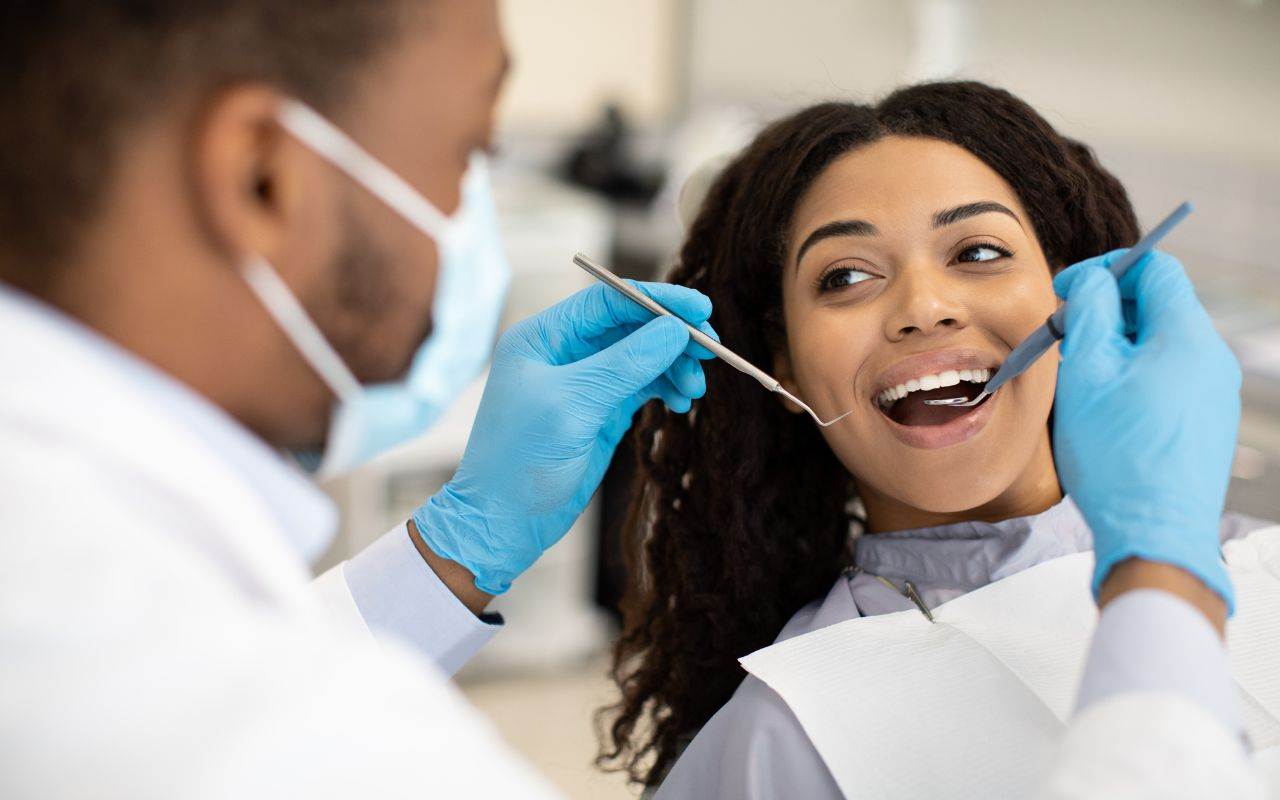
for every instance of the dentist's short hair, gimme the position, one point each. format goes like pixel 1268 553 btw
pixel 78 76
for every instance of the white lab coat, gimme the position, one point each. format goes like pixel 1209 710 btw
pixel 1151 746
pixel 160 638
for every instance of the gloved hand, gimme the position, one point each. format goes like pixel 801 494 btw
pixel 1145 430
pixel 562 390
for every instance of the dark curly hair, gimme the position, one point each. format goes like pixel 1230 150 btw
pixel 742 514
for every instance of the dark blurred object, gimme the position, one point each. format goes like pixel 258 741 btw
pixel 603 161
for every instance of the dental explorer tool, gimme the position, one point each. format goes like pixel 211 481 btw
pixel 1042 338
pixel 723 353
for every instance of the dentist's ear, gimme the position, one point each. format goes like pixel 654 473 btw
pixel 255 190
pixel 786 376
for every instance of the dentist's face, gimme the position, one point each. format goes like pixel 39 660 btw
pixel 430 106
pixel 912 270
pixel 367 277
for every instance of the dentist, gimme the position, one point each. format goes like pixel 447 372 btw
pixel 231 230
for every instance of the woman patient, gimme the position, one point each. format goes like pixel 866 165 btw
pixel 874 257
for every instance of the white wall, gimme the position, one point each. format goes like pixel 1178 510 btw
pixel 570 56
pixel 1181 98
pixel 1182 75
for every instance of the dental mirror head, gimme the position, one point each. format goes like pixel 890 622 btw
pixel 959 402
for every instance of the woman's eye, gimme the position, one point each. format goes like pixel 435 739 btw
pixel 982 252
pixel 840 278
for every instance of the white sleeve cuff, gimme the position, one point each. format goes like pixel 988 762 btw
pixel 1152 641
pixel 1150 746
pixel 398 594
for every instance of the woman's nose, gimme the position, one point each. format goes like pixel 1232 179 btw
pixel 923 304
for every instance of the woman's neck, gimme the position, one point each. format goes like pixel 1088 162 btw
pixel 1035 490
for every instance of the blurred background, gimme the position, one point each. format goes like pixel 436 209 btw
pixel 613 103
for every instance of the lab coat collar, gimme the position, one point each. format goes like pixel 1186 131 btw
pixel 964 556
pixel 64 377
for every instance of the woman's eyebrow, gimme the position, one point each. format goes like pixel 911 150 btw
pixel 841 227
pixel 950 216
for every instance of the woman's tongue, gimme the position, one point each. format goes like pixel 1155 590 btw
pixel 912 410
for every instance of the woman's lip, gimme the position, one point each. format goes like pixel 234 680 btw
pixel 932 437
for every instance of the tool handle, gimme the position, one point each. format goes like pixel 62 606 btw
pixel 1057 320
pixel 1042 338
pixel 723 353
pixel 1022 356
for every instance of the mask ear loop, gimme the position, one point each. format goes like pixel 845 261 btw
pixel 288 313
pixel 340 150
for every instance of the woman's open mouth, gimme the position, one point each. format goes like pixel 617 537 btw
pixel 918 424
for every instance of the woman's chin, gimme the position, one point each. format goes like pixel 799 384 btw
pixel 941 481
pixel 952 494
pixel 974 475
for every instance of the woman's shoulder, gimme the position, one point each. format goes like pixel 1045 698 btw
pixel 837 606
pixel 1234 525
pixel 753 747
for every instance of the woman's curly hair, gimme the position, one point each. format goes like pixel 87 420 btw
pixel 741 513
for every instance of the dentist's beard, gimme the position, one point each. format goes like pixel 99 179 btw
pixel 364 276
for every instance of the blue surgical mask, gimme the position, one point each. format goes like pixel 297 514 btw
pixel 469 296
pixel 468 305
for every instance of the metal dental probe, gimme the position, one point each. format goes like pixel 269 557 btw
pixel 723 353
pixel 1042 338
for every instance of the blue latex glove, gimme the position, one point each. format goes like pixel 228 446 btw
pixel 1145 430
pixel 562 390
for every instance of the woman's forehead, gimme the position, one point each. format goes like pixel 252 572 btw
pixel 899 181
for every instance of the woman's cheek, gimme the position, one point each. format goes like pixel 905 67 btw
pixel 1047 379
pixel 831 348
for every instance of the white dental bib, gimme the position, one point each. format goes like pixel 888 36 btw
pixel 975 704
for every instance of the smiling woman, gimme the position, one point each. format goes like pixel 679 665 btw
pixel 876 257
pixel 919 286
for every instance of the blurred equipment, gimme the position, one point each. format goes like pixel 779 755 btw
pixel 604 161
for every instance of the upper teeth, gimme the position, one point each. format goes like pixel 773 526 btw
pixel 926 382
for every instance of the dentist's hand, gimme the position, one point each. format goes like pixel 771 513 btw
pixel 1145 430
pixel 561 393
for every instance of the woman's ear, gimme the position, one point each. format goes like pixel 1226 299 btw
pixel 785 375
